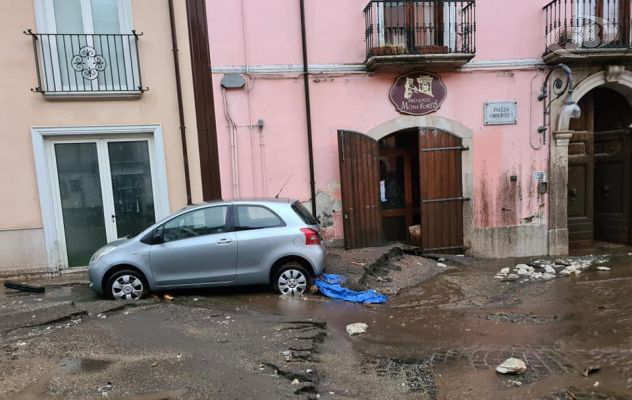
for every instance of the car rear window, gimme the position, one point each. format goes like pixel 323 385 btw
pixel 256 217
pixel 304 213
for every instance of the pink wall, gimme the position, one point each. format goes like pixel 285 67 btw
pixel 359 101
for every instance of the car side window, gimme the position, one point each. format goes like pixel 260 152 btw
pixel 256 217
pixel 205 221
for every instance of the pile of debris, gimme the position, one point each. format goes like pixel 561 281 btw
pixel 545 270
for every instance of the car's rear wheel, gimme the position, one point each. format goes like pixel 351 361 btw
pixel 127 285
pixel 292 279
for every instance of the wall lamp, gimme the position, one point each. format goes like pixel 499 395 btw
pixel 561 85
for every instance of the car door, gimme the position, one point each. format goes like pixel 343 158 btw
pixel 195 248
pixel 261 235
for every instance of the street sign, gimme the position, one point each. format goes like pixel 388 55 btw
pixel 501 112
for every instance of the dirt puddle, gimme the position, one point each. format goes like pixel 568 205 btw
pixel 433 336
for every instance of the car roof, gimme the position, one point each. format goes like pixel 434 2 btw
pixel 261 201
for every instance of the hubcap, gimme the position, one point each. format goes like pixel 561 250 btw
pixel 127 287
pixel 292 281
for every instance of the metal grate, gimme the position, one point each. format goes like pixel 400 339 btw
pixel 587 24
pixel 69 63
pixel 420 27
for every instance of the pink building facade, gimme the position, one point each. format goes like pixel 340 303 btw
pixel 493 54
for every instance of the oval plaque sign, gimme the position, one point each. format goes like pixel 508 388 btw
pixel 418 93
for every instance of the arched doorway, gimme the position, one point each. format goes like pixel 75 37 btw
pixel 599 176
pixel 405 186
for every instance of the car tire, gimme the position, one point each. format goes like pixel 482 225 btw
pixel 127 285
pixel 292 279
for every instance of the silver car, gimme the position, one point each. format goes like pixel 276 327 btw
pixel 233 243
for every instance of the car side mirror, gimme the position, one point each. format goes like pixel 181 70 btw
pixel 156 235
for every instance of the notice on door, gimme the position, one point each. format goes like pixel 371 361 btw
pixel 501 113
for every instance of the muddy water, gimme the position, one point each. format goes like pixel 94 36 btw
pixel 444 338
pixel 558 327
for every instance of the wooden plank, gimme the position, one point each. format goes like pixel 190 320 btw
pixel 24 287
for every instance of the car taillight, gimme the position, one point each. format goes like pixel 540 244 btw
pixel 311 236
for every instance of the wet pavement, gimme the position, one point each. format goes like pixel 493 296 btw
pixel 439 339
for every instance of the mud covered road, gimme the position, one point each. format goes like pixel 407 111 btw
pixel 448 324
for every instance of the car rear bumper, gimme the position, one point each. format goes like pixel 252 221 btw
pixel 316 256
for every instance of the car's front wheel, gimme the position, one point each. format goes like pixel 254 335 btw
pixel 127 285
pixel 292 278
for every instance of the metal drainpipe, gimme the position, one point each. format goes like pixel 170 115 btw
pixel 183 129
pixel 308 111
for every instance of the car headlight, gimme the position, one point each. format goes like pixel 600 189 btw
pixel 101 252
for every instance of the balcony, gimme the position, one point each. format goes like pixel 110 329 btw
pixel 430 34
pixel 588 31
pixel 87 65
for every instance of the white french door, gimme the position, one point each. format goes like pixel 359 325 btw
pixel 103 189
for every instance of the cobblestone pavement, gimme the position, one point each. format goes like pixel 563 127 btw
pixel 417 373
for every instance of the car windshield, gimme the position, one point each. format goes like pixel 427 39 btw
pixel 304 213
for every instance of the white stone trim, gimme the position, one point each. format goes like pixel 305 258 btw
pixel 39 136
pixel 361 68
pixel 597 79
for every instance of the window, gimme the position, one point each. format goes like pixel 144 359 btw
pixel 205 221
pixel 84 16
pixel 304 213
pixel 256 217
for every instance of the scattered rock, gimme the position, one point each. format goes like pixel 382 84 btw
pixel 357 328
pixel 549 270
pixel 510 278
pixel 505 271
pixel 441 265
pixel 512 366
pixel 313 289
pixel 603 269
pixel 591 370
pixel 296 382
pixel 105 388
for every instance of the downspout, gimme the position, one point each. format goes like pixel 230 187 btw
pixel 308 110
pixel 183 129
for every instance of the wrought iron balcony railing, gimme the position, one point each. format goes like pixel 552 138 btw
pixel 582 25
pixel 414 27
pixel 87 64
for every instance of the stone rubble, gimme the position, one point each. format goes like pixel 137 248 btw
pixel 545 270
pixel 357 328
pixel 513 366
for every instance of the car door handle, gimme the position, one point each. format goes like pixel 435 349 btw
pixel 224 241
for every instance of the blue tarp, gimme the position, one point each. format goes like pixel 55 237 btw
pixel 330 286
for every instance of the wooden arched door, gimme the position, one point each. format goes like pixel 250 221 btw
pixel 441 191
pixel 359 184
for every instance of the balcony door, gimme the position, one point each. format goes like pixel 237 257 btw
pixel 103 189
pixel 600 23
pixel 88 45
pixel 419 26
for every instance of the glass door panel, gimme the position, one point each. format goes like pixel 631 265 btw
pixel 81 200
pixel 132 190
